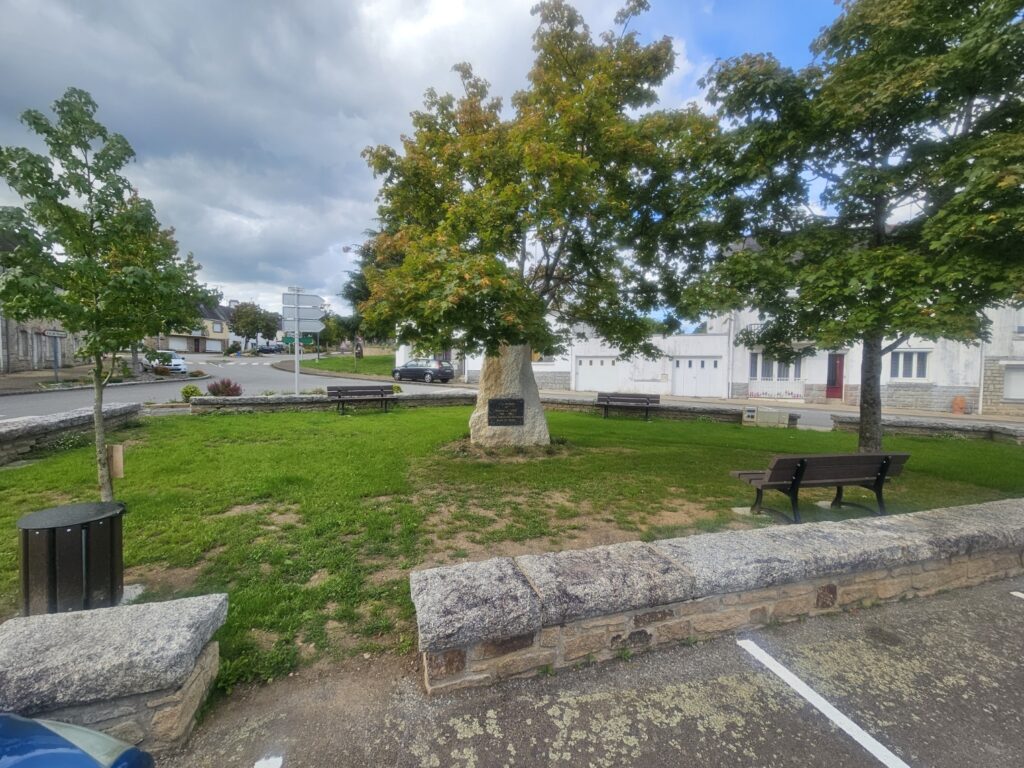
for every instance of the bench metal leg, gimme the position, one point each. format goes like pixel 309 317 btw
pixel 755 508
pixel 881 502
pixel 837 502
pixel 795 503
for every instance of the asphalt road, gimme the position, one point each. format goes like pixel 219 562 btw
pixel 935 682
pixel 256 375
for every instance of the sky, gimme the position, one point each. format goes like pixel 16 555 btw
pixel 248 117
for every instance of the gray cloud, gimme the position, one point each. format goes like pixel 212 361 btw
pixel 248 117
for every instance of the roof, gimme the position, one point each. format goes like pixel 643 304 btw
pixel 215 312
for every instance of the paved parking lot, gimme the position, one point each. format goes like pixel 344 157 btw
pixel 930 682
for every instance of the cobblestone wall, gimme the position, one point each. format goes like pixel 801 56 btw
pixel 994 391
pixel 19 438
pixel 483 622
pixel 927 397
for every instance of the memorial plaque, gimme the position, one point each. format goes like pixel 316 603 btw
pixel 506 412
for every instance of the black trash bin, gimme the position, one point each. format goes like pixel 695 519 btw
pixel 71 558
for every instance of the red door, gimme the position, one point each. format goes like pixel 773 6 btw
pixel 834 383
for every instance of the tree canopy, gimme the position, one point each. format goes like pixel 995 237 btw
pixel 88 251
pixel 250 320
pixel 877 193
pixel 567 205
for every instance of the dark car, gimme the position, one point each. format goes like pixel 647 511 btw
pixel 271 348
pixel 426 369
pixel 28 743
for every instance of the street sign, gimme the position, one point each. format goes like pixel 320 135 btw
pixel 288 339
pixel 305 326
pixel 304 313
pixel 301 300
pixel 306 340
pixel 56 334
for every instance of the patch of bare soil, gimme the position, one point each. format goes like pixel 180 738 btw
pixel 318 578
pixel 464 449
pixel 162 578
pixel 243 509
pixel 264 639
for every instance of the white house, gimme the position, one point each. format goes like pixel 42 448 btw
pixel 941 376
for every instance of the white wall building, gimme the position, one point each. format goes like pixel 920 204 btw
pixel 941 376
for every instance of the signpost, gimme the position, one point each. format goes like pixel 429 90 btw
pixel 56 336
pixel 300 313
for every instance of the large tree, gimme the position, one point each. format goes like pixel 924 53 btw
pixel 908 129
pixel 249 320
pixel 502 230
pixel 90 253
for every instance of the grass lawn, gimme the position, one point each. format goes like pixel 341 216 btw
pixel 378 365
pixel 311 521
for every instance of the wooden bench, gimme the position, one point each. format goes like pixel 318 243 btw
pixel 608 400
pixel 789 474
pixel 365 394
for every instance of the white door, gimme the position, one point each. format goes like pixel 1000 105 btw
pixel 598 374
pixel 214 345
pixel 177 344
pixel 698 377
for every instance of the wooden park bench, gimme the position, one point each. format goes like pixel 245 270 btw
pixel 789 474
pixel 363 394
pixel 608 400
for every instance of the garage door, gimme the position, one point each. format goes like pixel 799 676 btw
pixel 214 345
pixel 598 374
pixel 698 377
pixel 177 343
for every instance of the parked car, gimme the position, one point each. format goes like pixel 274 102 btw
pixel 26 743
pixel 426 369
pixel 165 357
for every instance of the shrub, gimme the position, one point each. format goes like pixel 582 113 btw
pixel 161 370
pixel 189 391
pixel 196 374
pixel 234 347
pixel 224 388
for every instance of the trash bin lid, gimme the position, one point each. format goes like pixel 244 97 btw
pixel 71 514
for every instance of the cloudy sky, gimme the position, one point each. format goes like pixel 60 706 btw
pixel 248 116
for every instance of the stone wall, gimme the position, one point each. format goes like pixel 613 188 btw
pixel 552 379
pixel 19 438
pixel 927 397
pixel 137 672
pixel 894 425
pixel 486 621
pixel 994 404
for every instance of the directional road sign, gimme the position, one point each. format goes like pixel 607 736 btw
pixel 301 300
pixel 304 313
pixel 288 339
pixel 56 334
pixel 305 326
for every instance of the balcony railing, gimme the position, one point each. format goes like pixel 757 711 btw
pixel 776 389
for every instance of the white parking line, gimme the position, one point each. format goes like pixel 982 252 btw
pixel 1018 594
pixel 857 733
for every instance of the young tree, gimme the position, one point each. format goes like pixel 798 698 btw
pixel 89 251
pixel 910 126
pixel 492 226
pixel 246 321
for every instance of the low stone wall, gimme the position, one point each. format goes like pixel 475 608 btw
pixel 20 437
pixel 136 672
pixel 506 617
pixel 894 425
pixel 927 397
pixel 681 411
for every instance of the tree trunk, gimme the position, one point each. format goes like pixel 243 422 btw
pixel 509 376
pixel 102 468
pixel 136 363
pixel 870 436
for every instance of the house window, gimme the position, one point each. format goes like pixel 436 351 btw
pixel 689 363
pixel 797 365
pixel 908 365
pixel 715 364
pixel 1013 383
pixel 783 371
pixel 767 367
pixel 753 365
pixel 701 363
pixel 23 344
pixel 218 328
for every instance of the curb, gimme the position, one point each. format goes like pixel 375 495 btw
pixel 186 380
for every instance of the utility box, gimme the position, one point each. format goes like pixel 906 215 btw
pixel 72 558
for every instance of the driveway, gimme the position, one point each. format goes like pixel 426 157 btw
pixel 931 682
